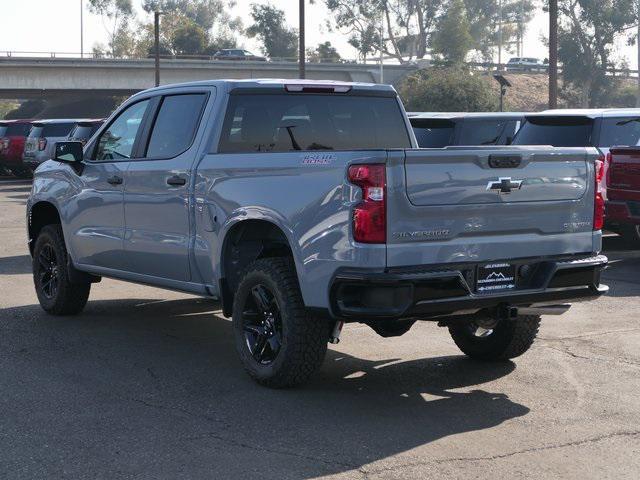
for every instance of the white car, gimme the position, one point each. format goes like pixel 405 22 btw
pixel 526 64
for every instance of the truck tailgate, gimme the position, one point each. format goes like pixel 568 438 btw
pixel 489 203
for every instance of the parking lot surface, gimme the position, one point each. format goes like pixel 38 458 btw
pixel 146 384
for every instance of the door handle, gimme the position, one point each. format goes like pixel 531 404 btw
pixel 115 180
pixel 176 181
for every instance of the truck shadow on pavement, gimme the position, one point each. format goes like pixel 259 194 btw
pixel 17 265
pixel 160 380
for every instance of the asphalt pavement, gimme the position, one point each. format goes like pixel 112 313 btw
pixel 146 384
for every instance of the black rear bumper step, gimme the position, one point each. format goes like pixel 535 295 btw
pixel 360 295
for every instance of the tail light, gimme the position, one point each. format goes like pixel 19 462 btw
pixel 598 209
pixel 369 216
pixel 42 144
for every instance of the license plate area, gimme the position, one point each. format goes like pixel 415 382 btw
pixel 495 277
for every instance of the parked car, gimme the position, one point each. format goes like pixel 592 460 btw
pixel 237 54
pixel 526 64
pixel 600 128
pixel 437 130
pixel 12 138
pixel 84 130
pixel 302 205
pixel 623 187
pixel 43 135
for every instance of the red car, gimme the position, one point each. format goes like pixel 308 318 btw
pixel 12 137
pixel 623 188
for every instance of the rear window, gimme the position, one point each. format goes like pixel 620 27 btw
pixel 283 123
pixel 84 130
pixel 620 131
pixel 482 132
pixel 3 130
pixel 561 131
pixel 51 130
pixel 433 133
pixel 18 129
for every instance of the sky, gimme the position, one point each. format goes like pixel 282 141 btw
pixel 54 26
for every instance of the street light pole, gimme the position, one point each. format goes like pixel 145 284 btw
pixel 553 53
pixel 156 34
pixel 301 40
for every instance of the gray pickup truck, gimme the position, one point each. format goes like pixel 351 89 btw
pixel 303 205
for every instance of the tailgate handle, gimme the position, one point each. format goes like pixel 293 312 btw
pixel 504 161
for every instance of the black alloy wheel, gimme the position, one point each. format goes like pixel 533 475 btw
pixel 262 325
pixel 48 271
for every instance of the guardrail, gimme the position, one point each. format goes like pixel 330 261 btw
pixel 372 62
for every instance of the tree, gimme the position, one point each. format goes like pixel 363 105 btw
pixel 269 26
pixel 485 18
pixel 452 39
pixel 119 13
pixel 448 89
pixel 408 24
pixel 189 39
pixel 587 32
pixel 208 22
pixel 324 52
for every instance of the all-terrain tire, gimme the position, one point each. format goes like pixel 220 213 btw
pixel 509 339
pixel 50 255
pixel 303 338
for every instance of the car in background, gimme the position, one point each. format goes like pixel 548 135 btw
pixel 41 142
pixel 602 128
pixel 84 130
pixel 438 130
pixel 237 54
pixel 13 134
pixel 623 190
pixel 526 64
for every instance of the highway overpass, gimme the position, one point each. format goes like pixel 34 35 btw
pixel 56 77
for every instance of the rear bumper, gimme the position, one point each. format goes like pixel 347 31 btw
pixel 433 293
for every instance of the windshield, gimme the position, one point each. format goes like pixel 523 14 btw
pixel 482 132
pixel 281 123
pixel 620 132
pixel 432 133
pixel 558 131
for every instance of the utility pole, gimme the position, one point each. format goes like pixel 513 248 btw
pixel 499 34
pixel 553 53
pixel 156 35
pixel 81 31
pixel 301 53
pixel 382 47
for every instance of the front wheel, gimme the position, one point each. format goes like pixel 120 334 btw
pixel 278 343
pixel 56 293
pixel 500 340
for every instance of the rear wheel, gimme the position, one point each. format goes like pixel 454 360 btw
pixel 56 294
pixel 278 343
pixel 500 340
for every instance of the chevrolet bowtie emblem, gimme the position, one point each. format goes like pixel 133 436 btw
pixel 504 185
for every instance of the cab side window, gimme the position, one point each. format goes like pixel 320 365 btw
pixel 175 125
pixel 117 141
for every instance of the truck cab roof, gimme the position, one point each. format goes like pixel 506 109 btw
pixel 592 113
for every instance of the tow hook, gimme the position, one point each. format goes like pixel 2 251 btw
pixel 335 334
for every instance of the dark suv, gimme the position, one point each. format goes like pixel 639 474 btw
pixel 438 130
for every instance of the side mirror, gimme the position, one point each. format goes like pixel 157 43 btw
pixel 69 152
